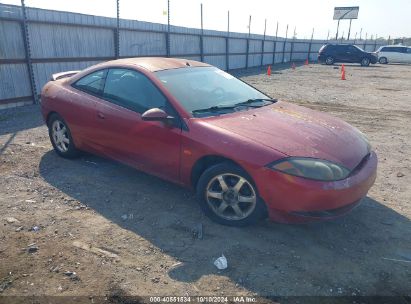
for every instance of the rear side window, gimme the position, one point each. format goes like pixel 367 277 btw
pixel 132 90
pixel 353 49
pixel 92 83
pixel 394 49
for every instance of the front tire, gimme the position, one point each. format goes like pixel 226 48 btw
pixel 329 60
pixel 365 62
pixel 60 137
pixel 383 60
pixel 228 196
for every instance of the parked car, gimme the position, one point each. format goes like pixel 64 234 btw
pixel 246 154
pixel 331 53
pixel 394 54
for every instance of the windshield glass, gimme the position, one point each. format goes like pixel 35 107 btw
pixel 198 88
pixel 359 48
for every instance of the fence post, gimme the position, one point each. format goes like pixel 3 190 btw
pixel 227 51
pixel 284 43
pixel 309 46
pixel 292 46
pixel 201 36
pixel 168 29
pixel 275 43
pixel 248 42
pixel 365 41
pixel 117 41
pixel 27 49
pixel 349 31
pixel 262 43
pixel 375 42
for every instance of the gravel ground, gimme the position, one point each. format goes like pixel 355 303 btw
pixel 94 227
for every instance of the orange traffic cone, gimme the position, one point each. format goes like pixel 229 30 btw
pixel 343 72
pixel 293 66
pixel 306 62
pixel 269 70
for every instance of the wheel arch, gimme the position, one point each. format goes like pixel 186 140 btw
pixel 383 57
pixel 206 162
pixel 51 113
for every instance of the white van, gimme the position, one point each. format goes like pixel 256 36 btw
pixel 394 53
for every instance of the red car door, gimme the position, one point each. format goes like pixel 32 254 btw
pixel 151 146
pixel 78 108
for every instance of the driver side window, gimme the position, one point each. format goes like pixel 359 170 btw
pixel 132 90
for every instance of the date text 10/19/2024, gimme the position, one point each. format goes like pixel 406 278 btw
pixel 206 299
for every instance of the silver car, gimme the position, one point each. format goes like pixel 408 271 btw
pixel 394 54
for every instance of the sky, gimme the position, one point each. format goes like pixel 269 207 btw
pixel 376 17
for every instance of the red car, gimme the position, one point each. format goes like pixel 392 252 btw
pixel 247 155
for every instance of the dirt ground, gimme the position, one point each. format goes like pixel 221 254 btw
pixel 94 227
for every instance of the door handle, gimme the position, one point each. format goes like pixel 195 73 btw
pixel 100 115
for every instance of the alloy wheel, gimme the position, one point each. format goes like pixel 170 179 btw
pixel 365 62
pixel 60 136
pixel 231 197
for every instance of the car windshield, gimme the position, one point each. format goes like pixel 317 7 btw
pixel 359 48
pixel 207 90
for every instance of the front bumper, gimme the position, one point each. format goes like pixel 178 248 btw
pixel 321 58
pixel 293 199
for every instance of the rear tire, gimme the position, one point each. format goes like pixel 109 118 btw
pixel 365 62
pixel 329 60
pixel 383 60
pixel 60 137
pixel 228 196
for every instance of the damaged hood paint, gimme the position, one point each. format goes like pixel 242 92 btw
pixel 298 131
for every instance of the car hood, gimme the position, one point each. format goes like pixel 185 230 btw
pixel 298 131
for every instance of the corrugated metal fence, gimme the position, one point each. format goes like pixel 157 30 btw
pixel 61 41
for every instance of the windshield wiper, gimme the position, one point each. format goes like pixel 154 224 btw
pixel 213 109
pixel 256 100
pixel 249 103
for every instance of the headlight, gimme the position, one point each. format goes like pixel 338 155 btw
pixel 365 138
pixel 311 168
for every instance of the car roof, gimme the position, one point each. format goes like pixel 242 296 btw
pixel 155 64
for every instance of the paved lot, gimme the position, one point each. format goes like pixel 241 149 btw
pixel 127 233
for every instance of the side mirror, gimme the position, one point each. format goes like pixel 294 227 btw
pixel 156 114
